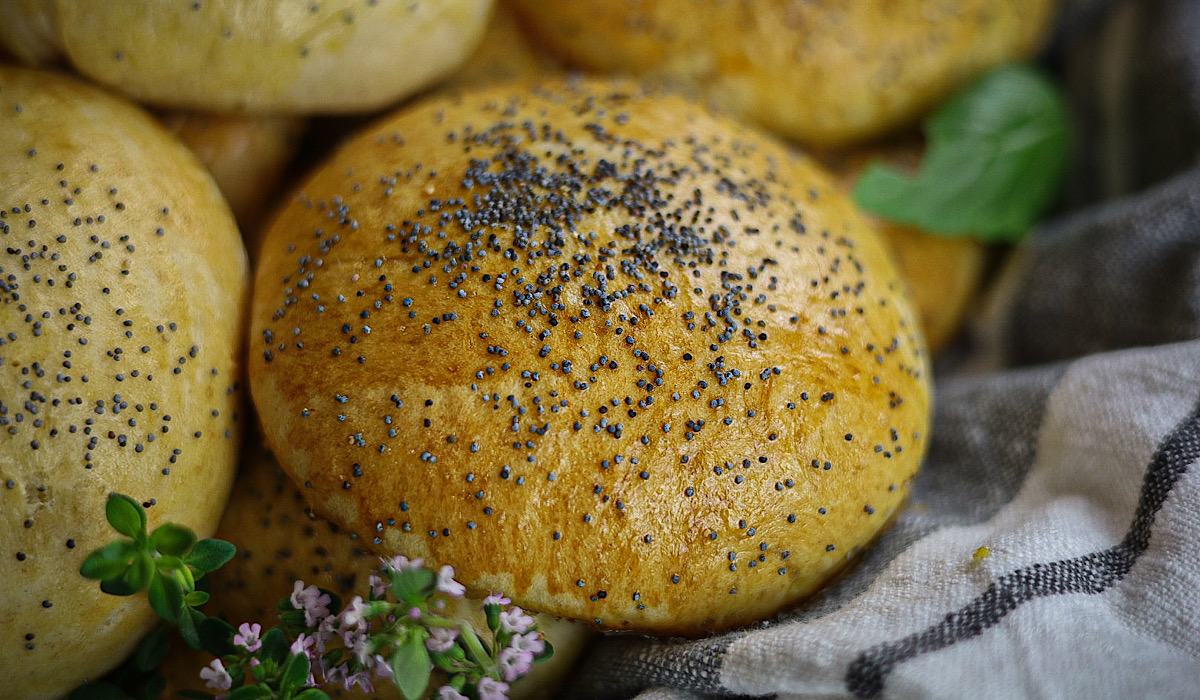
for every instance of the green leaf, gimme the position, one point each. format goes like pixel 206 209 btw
pixel 210 554
pixel 166 597
pixel 135 579
pixel 153 688
pixel 215 635
pixel 126 515
pixel 995 161
pixel 99 690
pixel 547 652
pixel 295 674
pixel 152 649
pixel 413 586
pixel 196 598
pixel 110 561
pixel 411 666
pixel 491 611
pixel 173 540
pixel 275 646
pixel 196 694
pixel 249 692
pixel 188 628
pixel 312 694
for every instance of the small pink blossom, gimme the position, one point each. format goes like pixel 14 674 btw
pixel 354 616
pixel 360 678
pixel 301 645
pixel 531 642
pixel 496 599
pixel 215 676
pixel 402 563
pixel 446 583
pixel 248 636
pixel 515 620
pixel 492 689
pixel 441 639
pixel 448 693
pixel 379 585
pixel 312 601
pixel 514 663
pixel 359 642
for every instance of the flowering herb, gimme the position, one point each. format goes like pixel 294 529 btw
pixel 399 633
pixel 996 158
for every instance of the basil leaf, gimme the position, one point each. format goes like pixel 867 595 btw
pixel 210 554
pixel 172 540
pixel 126 515
pixel 996 158
pixel 411 666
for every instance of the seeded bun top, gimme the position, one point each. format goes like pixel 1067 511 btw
pixel 281 56
pixel 623 360
pixel 830 73
pixel 122 290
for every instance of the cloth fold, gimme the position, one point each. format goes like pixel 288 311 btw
pixel 1049 546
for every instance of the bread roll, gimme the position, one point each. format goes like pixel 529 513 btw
pixel 282 56
pixel 628 362
pixel 505 52
pixel 824 73
pixel 122 286
pixel 247 156
pixel 280 541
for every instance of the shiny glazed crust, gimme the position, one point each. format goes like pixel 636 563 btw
pixel 123 284
pixel 281 56
pixel 829 72
pixel 625 361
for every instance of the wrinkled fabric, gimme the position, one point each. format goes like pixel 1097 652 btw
pixel 1049 548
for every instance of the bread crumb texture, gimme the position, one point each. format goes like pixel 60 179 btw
pixel 122 283
pixel 626 361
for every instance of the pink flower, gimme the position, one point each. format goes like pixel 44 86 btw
pixel 446 583
pixel 492 689
pixel 362 679
pixel 248 636
pixel 354 616
pixel 448 693
pixel 359 642
pixel 531 642
pixel 312 601
pixel 514 663
pixel 441 639
pixel 496 599
pixel 515 620
pixel 215 676
pixel 379 585
pixel 301 645
pixel 402 563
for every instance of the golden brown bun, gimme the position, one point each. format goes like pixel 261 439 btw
pixel 280 541
pixel 247 156
pixel 122 295
pixel 281 56
pixel 731 325
pixel 943 274
pixel 829 72
pixel 506 52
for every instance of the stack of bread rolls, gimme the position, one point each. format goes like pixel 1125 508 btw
pixel 634 363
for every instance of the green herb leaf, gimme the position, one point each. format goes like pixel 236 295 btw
pixel 312 694
pixel 210 554
pixel 996 157
pixel 126 515
pixel 547 652
pixel 172 540
pixel 411 667
pixel 275 646
pixel 153 688
pixel 249 692
pixel 196 694
pixel 110 561
pixel 491 612
pixel 295 674
pixel 215 635
pixel 152 649
pixel 166 597
pixel 188 623
pixel 196 598
pixel 135 579
pixel 413 586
